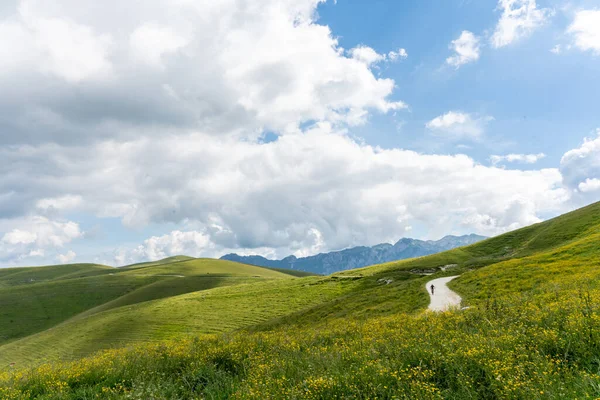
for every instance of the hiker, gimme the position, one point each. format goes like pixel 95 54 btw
pixel 432 289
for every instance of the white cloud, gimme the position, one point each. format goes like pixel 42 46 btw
pixel 43 232
pixel 581 166
pixel 67 202
pixel 278 195
pixel 150 42
pixel 589 185
pixel 191 243
pixel 315 244
pixel 31 236
pixel 53 45
pixel 395 55
pixel 73 72
pixel 167 135
pixel 519 18
pixel 556 49
pixel 17 236
pixel 370 57
pixel 176 243
pixel 521 158
pixel 457 125
pixel 585 30
pixel 466 49
pixel 36 253
pixel 67 257
pixel 366 55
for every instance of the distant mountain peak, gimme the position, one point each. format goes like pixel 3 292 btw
pixel 361 256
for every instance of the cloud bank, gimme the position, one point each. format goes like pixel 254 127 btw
pixel 158 119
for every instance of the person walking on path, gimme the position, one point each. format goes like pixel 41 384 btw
pixel 441 297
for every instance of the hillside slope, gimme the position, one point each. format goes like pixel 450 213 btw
pixel 358 293
pixel 532 332
pixel 18 276
pixel 35 299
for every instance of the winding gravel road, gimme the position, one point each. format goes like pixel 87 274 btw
pixel 443 298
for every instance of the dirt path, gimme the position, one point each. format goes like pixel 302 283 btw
pixel 443 298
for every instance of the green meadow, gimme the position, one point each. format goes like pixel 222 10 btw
pixel 187 328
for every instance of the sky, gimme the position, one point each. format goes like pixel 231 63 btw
pixel 133 131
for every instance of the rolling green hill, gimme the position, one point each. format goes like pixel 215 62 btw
pixel 159 309
pixel 208 311
pixel 35 299
pixel 532 330
pixel 19 276
pixel 167 260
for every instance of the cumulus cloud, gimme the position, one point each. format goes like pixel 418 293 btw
pixel 33 236
pixel 589 185
pixel 67 202
pixel 366 55
pixel 585 30
pixel 176 243
pixel 370 57
pixel 189 242
pixel 17 236
pixel 160 127
pixel 67 257
pixel 581 166
pixel 401 54
pixel 43 232
pixel 320 190
pixel 150 42
pixel 519 18
pixel 71 72
pixel 466 49
pixel 53 46
pixel 518 212
pixel 520 158
pixel 459 125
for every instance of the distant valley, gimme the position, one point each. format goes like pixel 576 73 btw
pixel 362 256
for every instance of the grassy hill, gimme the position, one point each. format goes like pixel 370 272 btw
pixel 19 276
pixel 35 299
pixel 532 331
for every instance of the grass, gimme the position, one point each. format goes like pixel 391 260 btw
pixel 26 275
pixel 36 299
pixel 209 311
pixel 532 332
pixel 294 272
pixel 575 261
pixel 168 260
pixel 540 346
pixel 202 266
pixel 31 308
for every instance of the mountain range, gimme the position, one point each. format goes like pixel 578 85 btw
pixel 361 256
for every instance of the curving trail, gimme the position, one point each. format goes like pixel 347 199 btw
pixel 443 298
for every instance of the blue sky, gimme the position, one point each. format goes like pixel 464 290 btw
pixel 283 127
pixel 541 102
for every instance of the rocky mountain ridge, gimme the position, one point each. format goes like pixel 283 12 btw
pixel 362 256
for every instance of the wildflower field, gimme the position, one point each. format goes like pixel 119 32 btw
pixel 523 347
pixel 531 331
